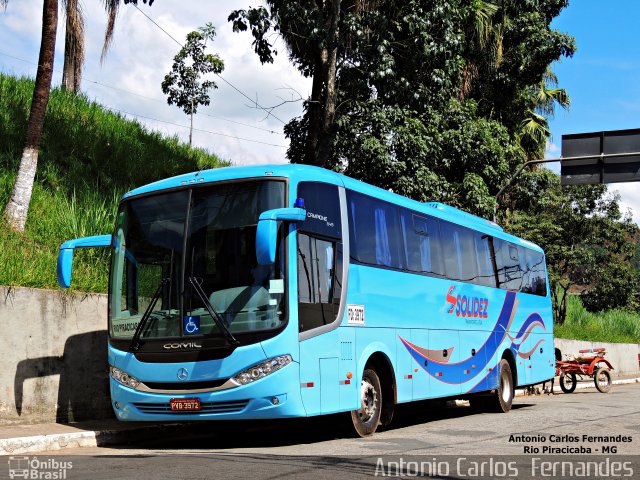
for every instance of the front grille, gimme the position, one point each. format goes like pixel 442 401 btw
pixel 208 384
pixel 205 407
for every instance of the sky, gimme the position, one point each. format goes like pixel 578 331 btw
pixel 602 78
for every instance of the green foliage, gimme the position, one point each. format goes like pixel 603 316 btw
pixel 182 85
pixel 588 244
pixel 432 95
pixel 454 157
pixel 609 326
pixel 89 158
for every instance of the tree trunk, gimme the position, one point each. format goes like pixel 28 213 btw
pixel 17 209
pixel 326 138
pixel 314 110
pixel 73 47
pixel 320 136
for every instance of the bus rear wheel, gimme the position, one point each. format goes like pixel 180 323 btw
pixel 367 418
pixel 500 401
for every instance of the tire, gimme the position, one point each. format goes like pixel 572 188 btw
pixel 602 379
pixel 500 401
pixel 506 388
pixel 367 418
pixel 568 382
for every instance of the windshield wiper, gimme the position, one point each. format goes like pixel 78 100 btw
pixel 135 341
pixel 212 311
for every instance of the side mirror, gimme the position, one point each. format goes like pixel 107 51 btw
pixel 65 257
pixel 267 232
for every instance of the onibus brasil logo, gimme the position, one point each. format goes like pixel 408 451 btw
pixel 35 468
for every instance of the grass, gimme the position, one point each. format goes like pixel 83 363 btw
pixel 89 158
pixel 617 326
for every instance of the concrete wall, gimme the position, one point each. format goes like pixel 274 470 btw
pixel 54 356
pixel 623 356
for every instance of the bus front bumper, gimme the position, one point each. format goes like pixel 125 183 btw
pixel 275 396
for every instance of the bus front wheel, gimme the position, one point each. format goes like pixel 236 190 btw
pixel 367 417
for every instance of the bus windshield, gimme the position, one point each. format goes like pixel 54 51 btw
pixel 185 261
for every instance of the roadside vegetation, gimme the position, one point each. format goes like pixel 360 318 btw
pixel 89 158
pixel 618 326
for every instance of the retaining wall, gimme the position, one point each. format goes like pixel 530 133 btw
pixel 54 356
pixel 623 356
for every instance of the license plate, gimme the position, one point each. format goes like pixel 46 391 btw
pixel 185 404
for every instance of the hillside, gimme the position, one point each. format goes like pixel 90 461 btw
pixel 89 157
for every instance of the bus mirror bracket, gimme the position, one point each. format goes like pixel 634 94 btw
pixel 267 232
pixel 65 256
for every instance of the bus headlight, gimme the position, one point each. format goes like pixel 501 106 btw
pixel 124 378
pixel 262 369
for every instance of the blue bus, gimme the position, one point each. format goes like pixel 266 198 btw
pixel 289 290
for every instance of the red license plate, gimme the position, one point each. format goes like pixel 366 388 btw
pixel 185 404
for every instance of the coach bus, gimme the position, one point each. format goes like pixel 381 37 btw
pixel 289 290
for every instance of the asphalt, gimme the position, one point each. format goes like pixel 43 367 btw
pixel 28 438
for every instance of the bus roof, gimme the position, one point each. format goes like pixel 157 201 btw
pixel 299 172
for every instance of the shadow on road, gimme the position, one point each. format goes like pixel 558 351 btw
pixel 223 435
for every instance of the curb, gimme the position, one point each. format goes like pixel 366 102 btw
pixel 98 438
pixel 582 385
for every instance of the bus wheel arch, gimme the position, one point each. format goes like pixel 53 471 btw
pixel 509 357
pixel 381 364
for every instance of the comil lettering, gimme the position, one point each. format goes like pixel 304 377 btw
pixel 172 346
pixel 466 305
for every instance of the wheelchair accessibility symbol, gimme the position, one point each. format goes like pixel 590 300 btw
pixel 191 325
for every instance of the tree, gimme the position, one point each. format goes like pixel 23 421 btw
pixel 416 109
pixel 73 46
pixel 588 243
pixel 182 85
pixel 314 34
pixel 16 210
pixel 534 130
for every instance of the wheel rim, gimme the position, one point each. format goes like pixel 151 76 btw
pixel 368 401
pixel 603 380
pixel 506 388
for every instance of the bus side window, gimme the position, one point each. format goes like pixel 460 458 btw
pixel 486 275
pixel 374 228
pixel 459 252
pixel 421 242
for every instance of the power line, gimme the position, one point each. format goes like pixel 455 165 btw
pixel 266 110
pixel 197 129
pixel 88 80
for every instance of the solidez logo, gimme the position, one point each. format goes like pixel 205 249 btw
pixel 467 306
pixel 178 346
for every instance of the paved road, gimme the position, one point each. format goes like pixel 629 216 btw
pixel 427 430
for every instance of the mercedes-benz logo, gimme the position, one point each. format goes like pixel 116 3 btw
pixel 183 374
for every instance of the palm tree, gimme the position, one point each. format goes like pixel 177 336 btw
pixel 483 42
pixel 534 129
pixel 74 39
pixel 73 46
pixel 16 211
